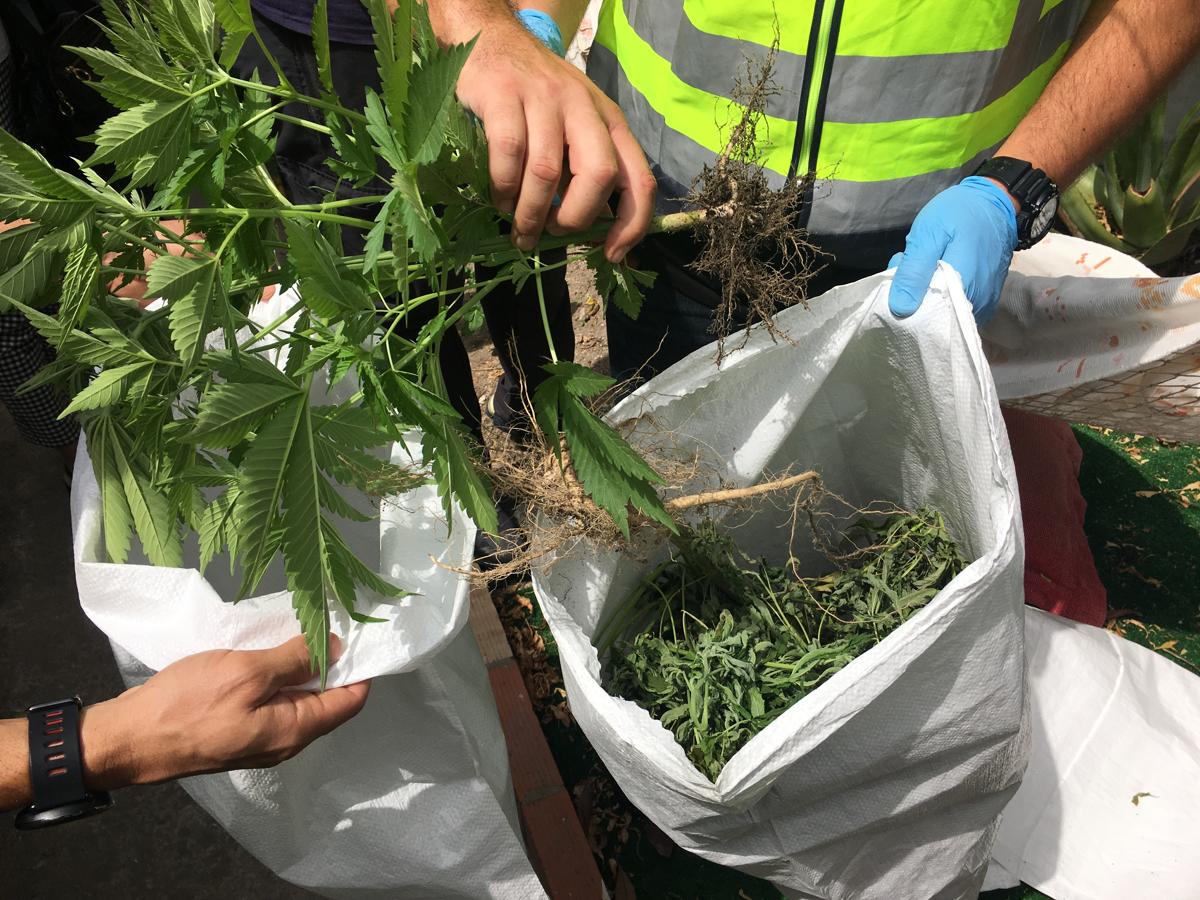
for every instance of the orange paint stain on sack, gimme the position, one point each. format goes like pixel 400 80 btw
pixel 1114 341
pixel 1191 287
pixel 1079 368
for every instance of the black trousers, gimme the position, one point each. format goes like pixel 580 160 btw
pixel 513 318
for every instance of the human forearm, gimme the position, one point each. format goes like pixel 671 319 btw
pixel 1127 52
pixel 222 709
pixel 458 21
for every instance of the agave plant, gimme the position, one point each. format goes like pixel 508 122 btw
pixel 1144 198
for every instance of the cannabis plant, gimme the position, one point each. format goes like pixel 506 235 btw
pixel 1143 200
pixel 191 427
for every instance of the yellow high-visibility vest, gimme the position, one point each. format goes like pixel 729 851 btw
pixel 887 103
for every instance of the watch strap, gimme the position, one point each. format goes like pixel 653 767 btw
pixel 55 761
pixel 1031 187
pixel 56 767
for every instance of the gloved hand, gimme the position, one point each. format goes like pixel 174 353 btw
pixel 973 227
pixel 544 28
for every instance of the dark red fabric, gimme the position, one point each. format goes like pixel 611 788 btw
pixel 1060 573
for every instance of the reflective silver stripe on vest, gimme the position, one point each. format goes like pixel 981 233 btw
pixel 863 88
pixel 839 207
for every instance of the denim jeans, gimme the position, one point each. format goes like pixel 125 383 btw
pixel 677 312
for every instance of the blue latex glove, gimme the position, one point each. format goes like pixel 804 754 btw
pixel 544 28
pixel 973 227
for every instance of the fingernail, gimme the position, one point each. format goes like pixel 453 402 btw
pixel 526 242
pixel 617 255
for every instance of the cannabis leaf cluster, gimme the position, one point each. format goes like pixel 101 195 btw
pixel 717 646
pixel 192 427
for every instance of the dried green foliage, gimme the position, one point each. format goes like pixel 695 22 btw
pixel 716 646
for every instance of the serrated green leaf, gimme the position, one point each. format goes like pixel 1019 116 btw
pixel 33 169
pixel 261 485
pixel 431 94
pixel 134 39
pixel 380 129
pixel 196 300
pixel 419 223
pixel 184 27
pixel 171 277
pixel 320 40
pixel 579 381
pixel 393 50
pixel 379 232
pixel 81 282
pixel 351 141
pixel 153 518
pixel 144 143
pixel 53 213
pixel 124 84
pixel 621 284
pixel 361 573
pixel 327 285
pixel 108 388
pixel 611 472
pixel 458 474
pixel 25 281
pixel 229 412
pixel 212 528
pixel 117 519
pixel 333 501
pixel 248 367
pixel 352 426
pixel 234 15
pixel 309 573
pixel 15 244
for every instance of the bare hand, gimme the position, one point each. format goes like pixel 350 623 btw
pixel 550 130
pixel 213 711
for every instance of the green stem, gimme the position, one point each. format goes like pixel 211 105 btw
pixel 541 295
pixel 297 97
pixel 304 123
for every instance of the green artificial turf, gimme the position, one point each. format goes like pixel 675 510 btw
pixel 1143 524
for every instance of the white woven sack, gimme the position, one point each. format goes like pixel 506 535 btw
pixel 886 781
pixel 413 796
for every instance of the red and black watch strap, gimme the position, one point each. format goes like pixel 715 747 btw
pixel 56 767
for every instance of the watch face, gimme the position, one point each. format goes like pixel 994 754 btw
pixel 1044 219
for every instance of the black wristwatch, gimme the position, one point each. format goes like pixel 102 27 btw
pixel 56 768
pixel 1036 193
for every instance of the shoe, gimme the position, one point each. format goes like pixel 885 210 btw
pixel 493 551
pixel 515 423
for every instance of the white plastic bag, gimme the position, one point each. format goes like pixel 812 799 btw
pixel 1107 810
pixel 886 781
pixel 410 798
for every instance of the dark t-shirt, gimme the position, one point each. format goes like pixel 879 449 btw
pixel 349 21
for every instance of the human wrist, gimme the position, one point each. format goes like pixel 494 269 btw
pixel 110 761
pixel 1016 204
pixel 461 21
